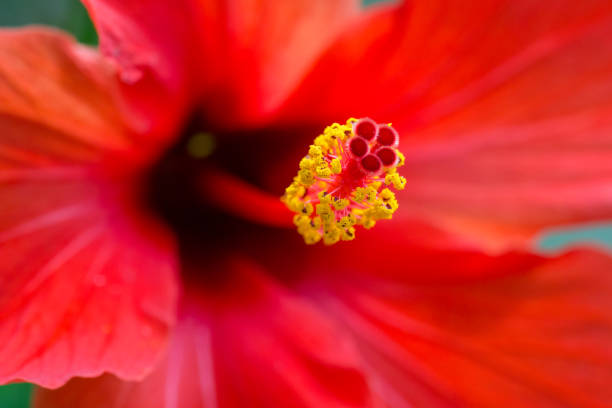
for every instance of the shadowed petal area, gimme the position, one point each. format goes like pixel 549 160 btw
pixel 503 107
pixel 82 291
pixel 253 344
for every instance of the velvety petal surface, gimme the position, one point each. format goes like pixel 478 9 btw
pixel 254 53
pixel 503 107
pixel 87 279
pixel 460 328
pixel 249 343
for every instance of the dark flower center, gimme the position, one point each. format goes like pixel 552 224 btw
pixel 257 157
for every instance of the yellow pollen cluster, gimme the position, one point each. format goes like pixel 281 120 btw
pixel 338 187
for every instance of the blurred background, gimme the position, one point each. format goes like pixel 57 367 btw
pixel 71 16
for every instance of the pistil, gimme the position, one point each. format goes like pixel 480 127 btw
pixel 345 181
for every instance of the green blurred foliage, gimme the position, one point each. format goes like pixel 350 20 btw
pixel 15 396
pixel 599 236
pixel 69 15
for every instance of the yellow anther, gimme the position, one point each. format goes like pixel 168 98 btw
pixel 307 209
pixel 306 163
pixel 328 219
pixel 381 212
pixel 315 151
pixel 323 208
pixel 387 194
pixel 398 182
pixel 360 194
pixel 370 194
pixel 292 189
pixel 319 161
pixel 345 222
pixel 324 198
pixel 328 224
pixel 334 133
pixel 300 219
pixel 348 234
pixel 352 219
pixel 306 177
pixel 336 166
pixel 311 236
pixel 368 223
pixel 298 192
pixel 322 142
pixel 401 159
pixel 331 236
pixel 341 204
pixel 323 170
pixel 295 204
pixel 392 204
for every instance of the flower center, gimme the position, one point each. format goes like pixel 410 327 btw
pixel 210 189
pixel 344 181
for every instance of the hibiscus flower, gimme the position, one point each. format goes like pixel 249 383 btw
pixel 145 248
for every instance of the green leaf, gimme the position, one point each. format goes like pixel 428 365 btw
pixel 559 239
pixel 69 15
pixel 368 2
pixel 15 395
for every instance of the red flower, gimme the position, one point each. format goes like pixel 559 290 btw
pixel 182 278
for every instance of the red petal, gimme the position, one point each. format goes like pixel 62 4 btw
pixel 254 53
pixel 247 55
pixel 515 330
pixel 153 39
pixel 504 109
pixel 82 290
pixel 44 76
pixel 252 344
